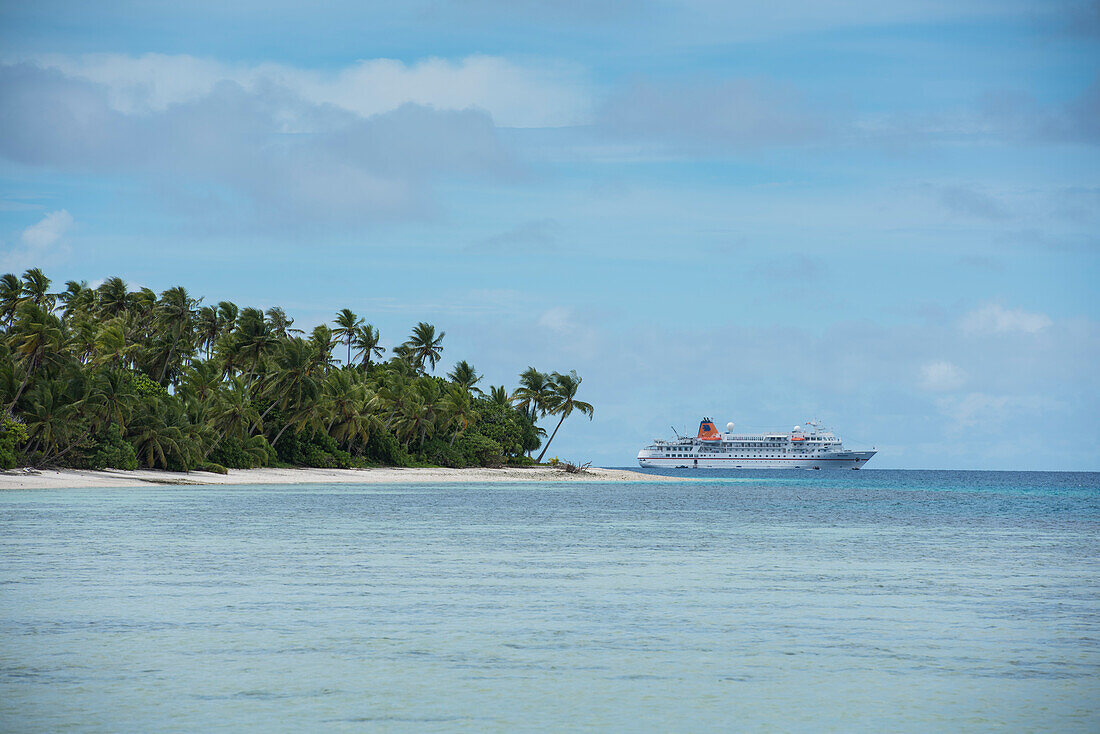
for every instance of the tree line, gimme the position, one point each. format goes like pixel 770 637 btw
pixel 108 377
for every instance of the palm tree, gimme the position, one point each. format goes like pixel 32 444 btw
pixel 255 340
pixel 424 345
pixel 281 323
pixel 346 402
pixel 112 297
pixel 35 338
pixel 111 344
pixel 76 298
pixel 347 324
pixel 36 288
pixel 11 293
pixel 49 419
pixel 293 385
pixel 208 328
pixel 366 344
pixel 111 398
pixel 174 313
pixel 227 316
pixel 498 395
pixel 465 376
pixel 233 413
pixel 534 393
pixel 564 402
pixel 324 342
pixel 158 434
pixel 458 410
pixel 201 381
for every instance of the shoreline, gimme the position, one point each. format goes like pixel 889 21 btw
pixel 87 478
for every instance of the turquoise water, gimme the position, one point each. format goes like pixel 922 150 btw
pixel 912 601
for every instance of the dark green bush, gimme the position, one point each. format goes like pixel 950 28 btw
pixel 479 450
pixel 439 453
pixel 111 451
pixel 12 435
pixel 311 448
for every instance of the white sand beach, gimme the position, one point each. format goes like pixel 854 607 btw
pixel 71 478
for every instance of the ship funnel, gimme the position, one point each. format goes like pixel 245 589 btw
pixel 707 431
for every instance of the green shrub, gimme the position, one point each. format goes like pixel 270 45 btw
pixel 12 434
pixel 384 448
pixel 311 448
pixel 234 453
pixel 438 453
pixel 510 428
pixel 111 451
pixel 479 450
pixel 212 468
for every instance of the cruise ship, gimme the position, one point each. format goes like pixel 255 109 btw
pixel 801 448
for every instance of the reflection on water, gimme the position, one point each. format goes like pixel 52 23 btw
pixel 900 600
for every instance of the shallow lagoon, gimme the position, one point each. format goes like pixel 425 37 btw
pixel 797 601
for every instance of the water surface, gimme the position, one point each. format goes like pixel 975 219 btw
pixel 801 601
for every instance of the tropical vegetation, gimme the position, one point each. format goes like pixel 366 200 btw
pixel 107 376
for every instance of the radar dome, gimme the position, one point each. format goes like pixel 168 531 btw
pixel 798 428
pixel 729 428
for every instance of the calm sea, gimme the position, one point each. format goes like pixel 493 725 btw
pixel 872 600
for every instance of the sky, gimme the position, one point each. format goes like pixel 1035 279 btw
pixel 883 215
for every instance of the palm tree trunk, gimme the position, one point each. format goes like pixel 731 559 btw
pixel 280 434
pixel 30 371
pixel 547 446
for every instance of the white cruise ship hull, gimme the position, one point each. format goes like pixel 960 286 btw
pixel 845 460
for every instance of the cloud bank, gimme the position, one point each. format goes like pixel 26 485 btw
pixel 267 150
pixel 548 95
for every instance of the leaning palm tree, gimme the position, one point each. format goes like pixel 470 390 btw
pixel 424 345
pixel 347 325
pixel 564 402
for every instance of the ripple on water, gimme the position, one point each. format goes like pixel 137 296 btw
pixel 888 600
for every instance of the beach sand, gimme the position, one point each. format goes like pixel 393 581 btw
pixel 70 478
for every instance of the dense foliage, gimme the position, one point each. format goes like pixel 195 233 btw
pixel 107 377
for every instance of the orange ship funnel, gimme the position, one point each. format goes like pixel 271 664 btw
pixel 707 431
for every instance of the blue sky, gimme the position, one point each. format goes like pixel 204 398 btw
pixel 884 215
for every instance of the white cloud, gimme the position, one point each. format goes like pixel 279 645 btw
pixel 994 412
pixel 558 320
pixel 233 145
pixel 552 94
pixel 40 243
pixel 941 376
pixel 996 319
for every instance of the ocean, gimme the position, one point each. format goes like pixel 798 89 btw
pixel 774 601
